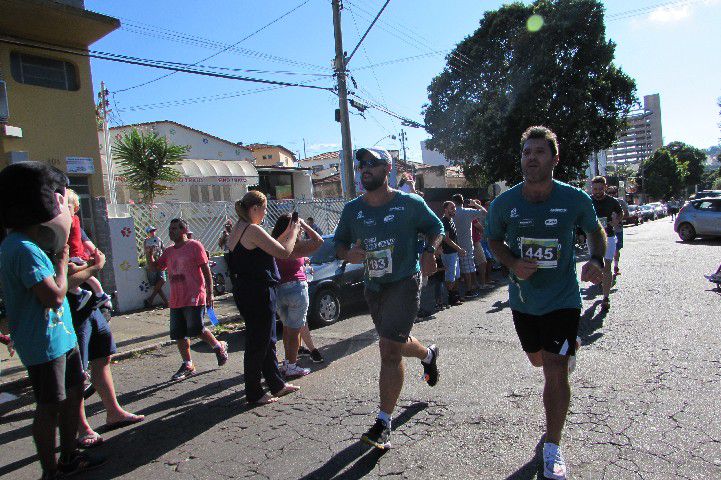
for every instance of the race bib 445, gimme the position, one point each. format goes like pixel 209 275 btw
pixel 543 250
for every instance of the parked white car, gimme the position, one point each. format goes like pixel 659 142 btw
pixel 700 217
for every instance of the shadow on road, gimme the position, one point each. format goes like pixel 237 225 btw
pixel 533 469
pixel 590 322
pixel 367 456
pixel 499 306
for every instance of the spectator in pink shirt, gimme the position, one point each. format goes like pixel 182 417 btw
pixel 191 291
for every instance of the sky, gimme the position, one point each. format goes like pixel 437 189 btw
pixel 668 47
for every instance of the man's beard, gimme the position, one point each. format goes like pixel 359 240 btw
pixel 373 183
pixel 539 176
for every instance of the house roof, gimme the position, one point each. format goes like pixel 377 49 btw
pixel 261 146
pixel 145 124
pixel 322 156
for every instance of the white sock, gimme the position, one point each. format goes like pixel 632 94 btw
pixel 100 294
pixel 429 357
pixel 386 417
pixel 188 363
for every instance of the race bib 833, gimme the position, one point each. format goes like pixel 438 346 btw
pixel 379 263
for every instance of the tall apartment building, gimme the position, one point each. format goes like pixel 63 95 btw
pixel 643 135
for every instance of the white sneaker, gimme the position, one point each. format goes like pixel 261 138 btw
pixel 554 467
pixel 572 358
pixel 293 371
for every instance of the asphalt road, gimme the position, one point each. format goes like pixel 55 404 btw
pixel 646 394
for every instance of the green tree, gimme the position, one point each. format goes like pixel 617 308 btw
pixel 663 177
pixel 693 158
pixel 505 77
pixel 146 160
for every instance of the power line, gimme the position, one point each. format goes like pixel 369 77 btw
pixel 410 39
pixel 365 53
pixel 367 31
pixel 113 57
pixel 201 99
pixel 221 51
pixel 644 10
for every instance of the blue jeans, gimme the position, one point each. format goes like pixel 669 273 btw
pixel 293 304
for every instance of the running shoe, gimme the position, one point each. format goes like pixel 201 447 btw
pixel 554 467
pixel 221 353
pixel 99 300
pixel 714 277
pixel 83 298
pixel 292 370
pixel 183 372
pixel 378 436
pixel 430 370
pixel 316 356
pixel 303 351
pixel 78 462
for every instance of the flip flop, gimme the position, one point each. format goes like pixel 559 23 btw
pixel 122 423
pixel 89 440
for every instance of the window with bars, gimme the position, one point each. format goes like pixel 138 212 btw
pixel 43 72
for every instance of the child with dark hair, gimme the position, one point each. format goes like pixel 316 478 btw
pixel 33 205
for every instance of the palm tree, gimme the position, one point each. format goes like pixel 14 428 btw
pixel 146 160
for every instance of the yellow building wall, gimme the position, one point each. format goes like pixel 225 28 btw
pixel 278 156
pixel 56 124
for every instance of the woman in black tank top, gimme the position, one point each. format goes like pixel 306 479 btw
pixel 255 278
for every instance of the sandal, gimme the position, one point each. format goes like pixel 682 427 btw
pixel 266 399
pixel 287 389
pixel 89 440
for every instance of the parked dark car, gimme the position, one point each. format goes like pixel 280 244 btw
pixel 647 212
pixel 634 216
pixel 334 285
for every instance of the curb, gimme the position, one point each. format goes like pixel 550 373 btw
pixel 24 381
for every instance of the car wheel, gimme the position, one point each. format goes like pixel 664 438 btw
pixel 326 307
pixel 686 232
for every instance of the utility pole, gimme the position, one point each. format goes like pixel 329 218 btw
pixel 103 111
pixel 339 65
pixel 403 144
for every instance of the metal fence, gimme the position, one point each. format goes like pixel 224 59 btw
pixel 206 220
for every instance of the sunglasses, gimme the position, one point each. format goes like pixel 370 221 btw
pixel 372 163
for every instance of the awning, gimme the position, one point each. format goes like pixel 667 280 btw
pixel 217 172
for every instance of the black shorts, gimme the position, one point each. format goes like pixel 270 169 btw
pixel 94 338
pixel 51 380
pixel 394 307
pixel 554 332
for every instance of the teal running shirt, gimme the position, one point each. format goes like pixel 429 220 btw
pixel 389 235
pixel 544 232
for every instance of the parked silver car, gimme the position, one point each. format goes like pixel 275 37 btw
pixel 699 217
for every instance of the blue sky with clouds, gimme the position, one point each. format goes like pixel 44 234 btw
pixel 669 47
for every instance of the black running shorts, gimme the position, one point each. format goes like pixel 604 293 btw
pixel 554 332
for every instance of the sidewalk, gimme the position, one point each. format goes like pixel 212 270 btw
pixel 133 332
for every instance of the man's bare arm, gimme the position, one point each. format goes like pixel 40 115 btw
pixel 597 242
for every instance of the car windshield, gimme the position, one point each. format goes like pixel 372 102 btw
pixel 326 253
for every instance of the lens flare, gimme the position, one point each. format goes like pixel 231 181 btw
pixel 534 23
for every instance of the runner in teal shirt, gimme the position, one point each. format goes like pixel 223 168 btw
pixel 389 234
pixel 543 232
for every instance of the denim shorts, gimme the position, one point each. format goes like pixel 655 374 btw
pixel 186 322
pixel 155 276
pixel 450 261
pixel 293 304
